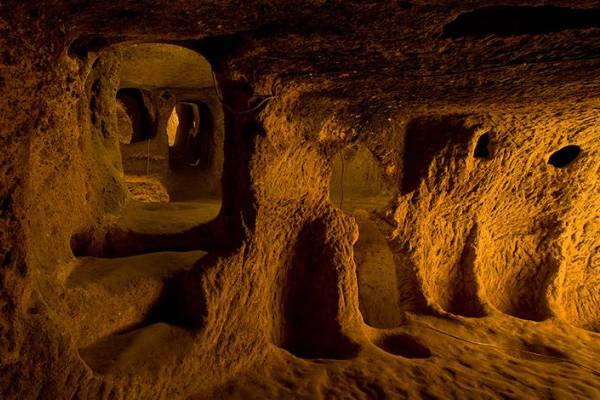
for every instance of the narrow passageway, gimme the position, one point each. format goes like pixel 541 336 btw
pixel 376 274
pixel 386 279
pixel 125 290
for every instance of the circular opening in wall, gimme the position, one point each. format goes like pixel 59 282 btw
pixel 482 148
pixel 565 156
pixel 403 345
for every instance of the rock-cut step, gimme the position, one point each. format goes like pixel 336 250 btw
pixel 140 350
pixel 166 218
pixel 109 295
pixel 141 228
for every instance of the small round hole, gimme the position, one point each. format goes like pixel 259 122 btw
pixel 564 156
pixel 482 149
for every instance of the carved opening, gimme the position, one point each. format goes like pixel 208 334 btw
pixel 482 148
pixel 127 292
pixel 565 156
pixel 191 141
pixel 387 285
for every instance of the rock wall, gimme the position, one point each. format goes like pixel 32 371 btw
pixel 484 234
pixel 67 166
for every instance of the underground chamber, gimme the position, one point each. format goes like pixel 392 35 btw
pixel 383 200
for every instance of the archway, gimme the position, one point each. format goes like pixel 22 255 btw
pixel 126 283
pixel 175 123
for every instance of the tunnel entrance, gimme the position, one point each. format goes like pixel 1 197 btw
pixel 191 134
pixel 169 123
pixel 170 126
pixel 386 281
pixel 183 128
pixel 358 181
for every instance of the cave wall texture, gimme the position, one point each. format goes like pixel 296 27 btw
pixel 505 235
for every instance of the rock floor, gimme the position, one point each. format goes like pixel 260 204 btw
pixel 427 356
